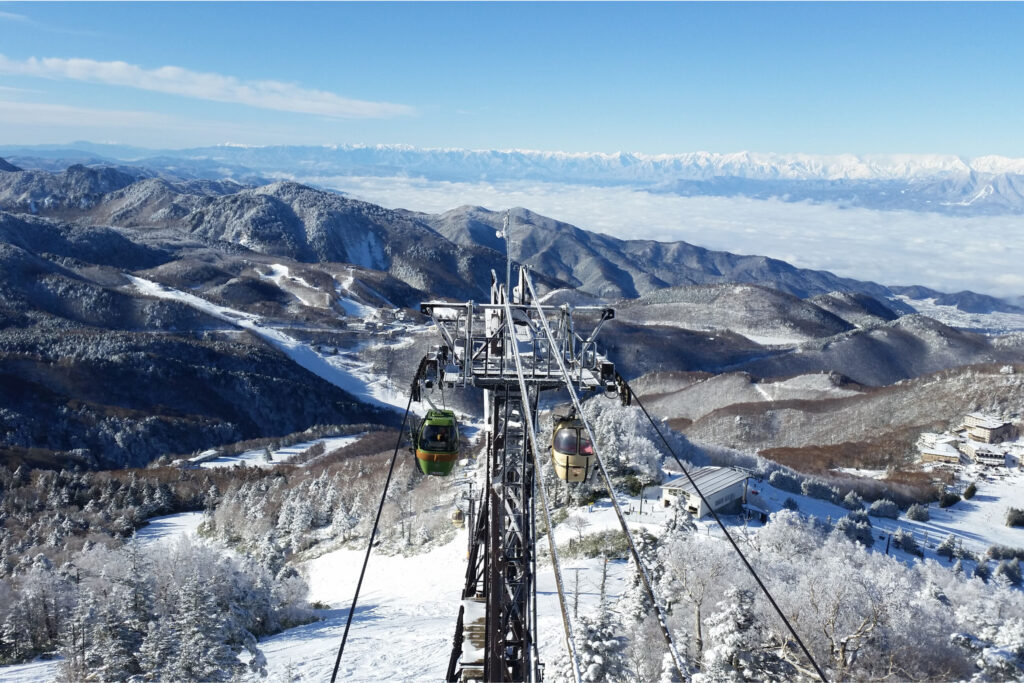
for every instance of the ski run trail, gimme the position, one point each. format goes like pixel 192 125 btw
pixel 342 371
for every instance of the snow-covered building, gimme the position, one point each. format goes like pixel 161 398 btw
pixel 938 448
pixel 723 487
pixel 986 428
pixel 986 453
pixel 942 452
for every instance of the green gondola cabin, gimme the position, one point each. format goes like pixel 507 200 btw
pixel 437 443
pixel 571 450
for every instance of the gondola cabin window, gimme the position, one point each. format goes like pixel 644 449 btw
pixel 571 450
pixel 436 439
pixel 565 440
pixel 437 443
pixel 571 442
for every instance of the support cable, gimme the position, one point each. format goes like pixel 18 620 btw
pixel 676 660
pixel 750 568
pixel 570 641
pixel 376 522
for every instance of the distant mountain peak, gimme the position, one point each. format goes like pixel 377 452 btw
pixel 919 182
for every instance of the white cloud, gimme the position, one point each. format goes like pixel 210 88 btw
pixel 123 126
pixel 175 80
pixel 11 16
pixel 948 253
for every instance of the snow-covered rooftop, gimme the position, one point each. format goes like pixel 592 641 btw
pixel 941 449
pixel 985 420
pixel 931 440
pixel 709 480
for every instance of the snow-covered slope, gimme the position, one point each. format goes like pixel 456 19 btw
pixel 335 369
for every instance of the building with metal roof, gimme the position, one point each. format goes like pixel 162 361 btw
pixel 723 488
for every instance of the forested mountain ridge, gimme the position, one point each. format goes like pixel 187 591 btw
pixel 306 224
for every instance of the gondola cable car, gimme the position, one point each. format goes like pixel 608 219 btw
pixel 436 442
pixel 571 449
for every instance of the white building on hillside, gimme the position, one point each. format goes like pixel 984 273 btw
pixel 723 487
pixel 986 428
pixel 986 453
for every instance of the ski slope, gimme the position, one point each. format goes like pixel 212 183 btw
pixel 344 375
pixel 405 620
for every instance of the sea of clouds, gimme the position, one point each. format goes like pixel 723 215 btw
pixel 948 253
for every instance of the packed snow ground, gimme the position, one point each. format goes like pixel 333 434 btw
pixel 352 307
pixel 405 619
pixel 170 527
pixel 33 672
pixel 309 295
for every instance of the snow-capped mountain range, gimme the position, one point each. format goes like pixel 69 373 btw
pixel 944 183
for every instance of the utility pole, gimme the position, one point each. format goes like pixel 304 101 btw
pixel 470 518
pixel 604 581
pixel 575 592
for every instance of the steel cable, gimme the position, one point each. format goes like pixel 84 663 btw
pixel 642 570
pixel 531 434
pixel 376 523
pixel 746 563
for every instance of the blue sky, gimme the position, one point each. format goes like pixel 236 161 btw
pixel 603 77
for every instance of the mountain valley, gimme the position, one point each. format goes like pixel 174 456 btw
pixel 334 273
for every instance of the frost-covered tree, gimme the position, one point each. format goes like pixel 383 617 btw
pixel 736 649
pixel 855 530
pixel 1000 655
pixel 820 490
pixel 645 651
pixel 918 513
pixel 600 648
pixel 201 631
pixel 1010 569
pixel 785 482
pixel 852 501
pixel 947 548
pixel 579 524
pixel 628 444
pixel 906 541
pixel 884 508
pixel 35 621
pixel 693 568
